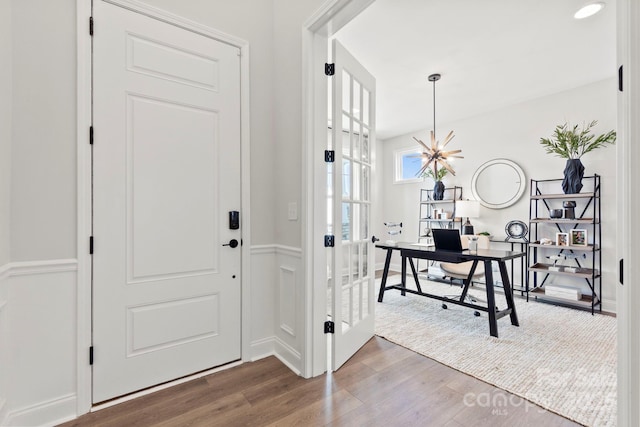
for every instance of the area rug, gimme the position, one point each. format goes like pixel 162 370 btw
pixel 561 359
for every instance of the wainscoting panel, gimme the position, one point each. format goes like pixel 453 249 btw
pixel 289 289
pixel 40 306
pixel 276 295
pixel 262 314
pixel 4 344
pixel 287 294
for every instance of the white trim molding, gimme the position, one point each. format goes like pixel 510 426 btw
pixel 52 412
pixel 627 230
pixel 50 285
pixel 276 249
pixel 29 268
pixel 287 355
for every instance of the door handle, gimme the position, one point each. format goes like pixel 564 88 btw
pixel 233 243
pixel 374 239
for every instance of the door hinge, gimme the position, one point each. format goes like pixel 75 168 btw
pixel 91 135
pixel 91 25
pixel 621 278
pixel 329 69
pixel 329 327
pixel 620 75
pixel 91 245
pixel 329 241
pixel 91 355
pixel 329 156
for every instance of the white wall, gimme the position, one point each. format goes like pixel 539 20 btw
pixel 38 269
pixel 514 133
pixel 5 128
pixel 5 179
pixel 43 196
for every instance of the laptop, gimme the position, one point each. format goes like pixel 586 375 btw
pixel 447 239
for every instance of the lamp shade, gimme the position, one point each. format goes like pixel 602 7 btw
pixel 468 209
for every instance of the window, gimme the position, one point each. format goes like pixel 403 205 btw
pixel 408 163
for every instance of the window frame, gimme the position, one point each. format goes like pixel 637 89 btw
pixel 398 160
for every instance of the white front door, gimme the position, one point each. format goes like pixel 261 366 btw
pixel 166 174
pixel 351 278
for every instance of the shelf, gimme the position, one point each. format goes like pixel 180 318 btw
pixel 588 248
pixel 564 221
pixel 586 273
pixel 563 196
pixel 436 202
pixel 440 220
pixel 585 302
pixel 556 259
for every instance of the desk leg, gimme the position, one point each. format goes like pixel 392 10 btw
pixel 508 294
pixel 385 273
pixel 491 299
pixel 468 280
pixel 403 281
pixel 415 275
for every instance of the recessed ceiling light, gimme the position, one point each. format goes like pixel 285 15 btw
pixel 588 10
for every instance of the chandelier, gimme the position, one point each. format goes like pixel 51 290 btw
pixel 434 155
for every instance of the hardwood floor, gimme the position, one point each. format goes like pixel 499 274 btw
pixel 381 385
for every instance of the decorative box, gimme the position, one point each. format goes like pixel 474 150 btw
pixel 565 292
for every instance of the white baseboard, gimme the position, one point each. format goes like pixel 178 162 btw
pixel 262 348
pixel 609 306
pixel 273 346
pixel 52 412
pixel 288 355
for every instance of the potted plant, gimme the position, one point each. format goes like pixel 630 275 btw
pixel 572 143
pixel 438 187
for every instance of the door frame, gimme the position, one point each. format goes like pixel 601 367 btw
pixel 628 232
pixel 326 21
pixel 84 190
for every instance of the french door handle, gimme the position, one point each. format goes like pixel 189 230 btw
pixel 233 243
pixel 374 239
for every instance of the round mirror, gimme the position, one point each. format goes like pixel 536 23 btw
pixel 498 183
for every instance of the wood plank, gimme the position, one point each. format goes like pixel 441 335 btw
pixel 382 385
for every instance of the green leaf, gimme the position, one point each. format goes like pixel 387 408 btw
pixel 573 143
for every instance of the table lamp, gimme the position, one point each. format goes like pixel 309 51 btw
pixel 468 209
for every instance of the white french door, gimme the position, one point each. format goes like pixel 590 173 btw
pixel 166 174
pixel 351 265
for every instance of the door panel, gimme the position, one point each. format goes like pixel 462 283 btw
pixel 351 284
pixel 166 161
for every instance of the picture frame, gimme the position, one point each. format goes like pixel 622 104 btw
pixel 578 237
pixel 562 239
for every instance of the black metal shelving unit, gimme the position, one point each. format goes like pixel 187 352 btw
pixel 428 206
pixel 585 260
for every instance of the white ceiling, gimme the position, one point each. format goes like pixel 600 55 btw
pixel 490 53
